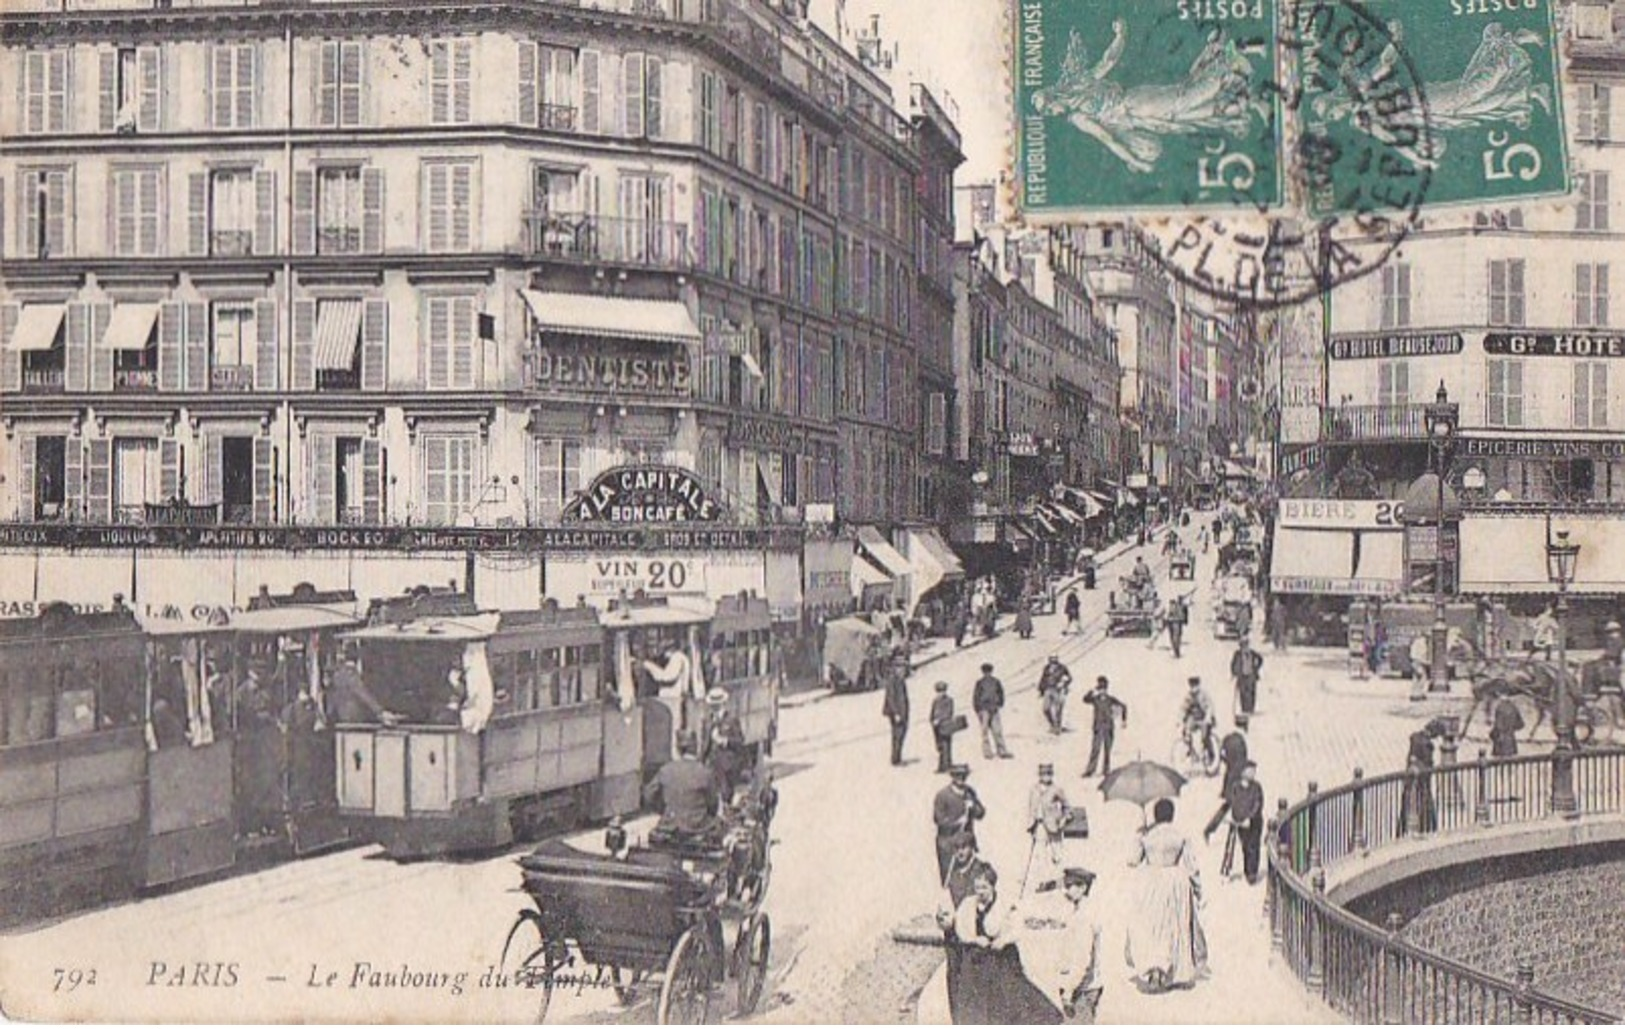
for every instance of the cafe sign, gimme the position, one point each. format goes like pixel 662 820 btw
pixel 603 368
pixel 644 493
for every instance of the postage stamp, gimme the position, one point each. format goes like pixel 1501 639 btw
pixel 1128 105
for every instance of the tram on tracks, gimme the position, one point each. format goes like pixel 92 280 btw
pixel 486 726
pixel 136 756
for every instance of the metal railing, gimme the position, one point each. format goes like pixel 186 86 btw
pixel 585 237
pixel 43 380
pixel 1373 422
pixel 231 378
pixel 1369 973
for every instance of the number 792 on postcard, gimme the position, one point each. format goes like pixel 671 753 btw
pixel 1145 105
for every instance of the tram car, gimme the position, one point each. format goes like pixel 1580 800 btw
pixel 139 756
pixel 486 726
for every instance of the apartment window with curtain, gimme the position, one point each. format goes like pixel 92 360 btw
pixel 451 343
pixel 1591 295
pixel 558 476
pixel 232 365
pixel 1396 296
pixel 642 89
pixel 647 235
pixel 131 89
pixel 1503 394
pixel 1506 293
pixel 231 212
pixel 233 85
pixel 136 197
pixel 1595 111
pixel 1591 215
pixel 451 81
pixel 1591 395
pixel 339 84
pixel 1393 383
pixel 449 478
pixel 45 211
pixel 338 207
pixel 450 199
pixel 47 75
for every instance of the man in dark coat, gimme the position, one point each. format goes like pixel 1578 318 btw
pixel 895 710
pixel 1176 617
pixel 1244 803
pixel 955 810
pixel 1074 611
pixel 942 729
pixel 1245 664
pixel 1233 756
pixel 987 700
pixel 1506 722
pixel 1053 683
pixel 1416 801
pixel 1107 711
pixel 958 883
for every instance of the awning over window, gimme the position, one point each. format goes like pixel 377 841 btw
pixel 36 326
pixel 932 564
pixel 749 361
pixel 130 327
pixel 933 542
pixel 1508 555
pixel 865 574
pixel 338 330
pixel 882 553
pixel 1337 562
pixel 580 314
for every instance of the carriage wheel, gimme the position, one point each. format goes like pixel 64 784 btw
pixel 685 996
pixel 750 963
pixel 529 959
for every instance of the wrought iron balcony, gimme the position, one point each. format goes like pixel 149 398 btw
pixel 231 378
pixel 135 380
pixel 181 513
pixel 232 243
pixel 338 239
pixel 557 117
pixel 1375 423
pixel 588 238
pixel 42 380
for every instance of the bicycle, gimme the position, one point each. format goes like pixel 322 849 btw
pixel 1191 754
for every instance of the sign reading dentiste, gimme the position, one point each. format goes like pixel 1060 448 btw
pixel 645 493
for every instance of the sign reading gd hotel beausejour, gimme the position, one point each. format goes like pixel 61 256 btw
pixel 644 493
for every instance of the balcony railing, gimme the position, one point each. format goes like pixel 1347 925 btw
pixel 177 513
pixel 338 239
pixel 557 117
pixel 135 380
pixel 583 237
pixel 336 380
pixel 232 243
pixel 42 380
pixel 231 378
pixel 1356 423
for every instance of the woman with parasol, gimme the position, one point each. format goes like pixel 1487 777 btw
pixel 1166 946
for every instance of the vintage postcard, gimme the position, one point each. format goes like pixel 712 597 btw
pixel 812 511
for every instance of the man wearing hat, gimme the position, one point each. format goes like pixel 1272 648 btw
pixel 1245 664
pixel 688 792
pixel 943 727
pixel 895 710
pixel 724 741
pixel 955 810
pixel 1233 755
pixel 987 700
pixel 1053 682
pixel 1060 951
pixel 1046 814
pixel 1244 803
pixel 1107 711
pixel 964 868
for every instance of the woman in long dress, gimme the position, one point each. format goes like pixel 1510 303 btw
pixel 992 987
pixel 1166 946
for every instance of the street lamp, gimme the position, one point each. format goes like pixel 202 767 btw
pixel 1440 418
pixel 1561 556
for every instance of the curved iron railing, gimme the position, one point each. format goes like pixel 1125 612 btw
pixel 1367 972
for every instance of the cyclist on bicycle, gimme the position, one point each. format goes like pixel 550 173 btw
pixel 1197 717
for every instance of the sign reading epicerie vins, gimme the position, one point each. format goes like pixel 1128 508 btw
pixel 649 493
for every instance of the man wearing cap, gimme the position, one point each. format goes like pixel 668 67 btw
pixel 724 741
pixel 1245 664
pixel 955 810
pixel 1053 683
pixel 1060 948
pixel 942 727
pixel 688 792
pixel 1232 755
pixel 1244 803
pixel 895 710
pixel 1107 711
pixel 987 700
pixel 1046 814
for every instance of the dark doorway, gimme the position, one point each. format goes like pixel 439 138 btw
pixel 237 477
pixel 50 476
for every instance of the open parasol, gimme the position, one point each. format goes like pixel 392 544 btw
pixel 1141 782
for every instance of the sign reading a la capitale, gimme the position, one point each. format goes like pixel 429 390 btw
pixel 644 493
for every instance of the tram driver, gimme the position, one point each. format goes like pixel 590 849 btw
pixel 352 702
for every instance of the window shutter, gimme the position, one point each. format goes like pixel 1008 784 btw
pixel 99 481
pixel 327 85
pixel 220 79
pixel 436 186
pixel 323 485
pixel 1599 395
pixel 246 86
pixel 107 119
pixel 653 108
pixel 372 210
pixel 149 116
pixel 1581 396
pixel 440 82
pixel 462 74
pixel 28 213
pixel 462 210
pixel 438 341
pixel 1514 392
pixel 264 480
pixel 212 451
pixel 59 213
pixel 169 470
pixel 374 344
pixel 197 207
pixel 351 83
pixel 76 359
pixel 73 478
pixel 304 212
pixel 61 77
pixel 1599 199
pixel 27 511
pixel 435 450
pixel 591 93
pixel 1599 293
pixel 11 359
pixel 101 356
pixel 195 332
pixel 150 204
pixel 1515 296
pixel 372 482
pixel 632 85
pixel 528 109
pixel 464 343
pixel 265 212
pixel 267 354
pixel 304 345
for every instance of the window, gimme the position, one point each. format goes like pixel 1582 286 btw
pixel 592 94
pixel 450 343
pixel 232 367
pixel 1591 295
pixel 135 478
pixel 936 423
pixel 1506 292
pixel 448 205
pixel 339 84
pixel 641 91
pixel 556 88
pixel 558 476
pixel 1593 21
pixel 1504 395
pixel 49 457
pixel 448 477
pixel 130 89
pixel 1590 395
pixel 338 205
pixel 231 209
pixel 1393 383
pixel 137 212
pixel 232 85
pixel 1595 111
pixel 647 237
pixel 46 75
pixel 451 70
pixel 1396 296
pixel 758 140
pixel 710 113
pixel 45 216
pixel 1592 213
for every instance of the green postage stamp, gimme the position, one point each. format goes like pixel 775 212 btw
pixel 1146 105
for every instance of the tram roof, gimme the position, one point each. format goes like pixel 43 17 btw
pixel 277 620
pixel 468 628
pixel 665 611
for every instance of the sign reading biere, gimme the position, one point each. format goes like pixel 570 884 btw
pixel 646 493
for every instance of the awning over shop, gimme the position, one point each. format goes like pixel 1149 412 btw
pixel 1081 501
pixel 882 553
pixel 865 575
pixel 338 331
pixel 952 569
pixel 932 564
pixel 1126 498
pixel 581 314
pixel 1059 510
pixel 1045 524
pixel 1508 555
pixel 36 326
pixel 130 327
pixel 1337 562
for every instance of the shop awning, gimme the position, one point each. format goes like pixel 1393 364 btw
pixel 1127 499
pixel 36 326
pixel 1059 510
pixel 338 331
pixel 1081 500
pixel 580 314
pixel 1337 562
pixel 1017 533
pixel 932 541
pixel 865 574
pixel 130 327
pixel 882 553
pixel 1045 523
pixel 1508 555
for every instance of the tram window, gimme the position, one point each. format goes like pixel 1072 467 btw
pixel 28 717
pixel 570 677
pixel 547 677
pixel 592 670
pixel 503 684
pixel 76 712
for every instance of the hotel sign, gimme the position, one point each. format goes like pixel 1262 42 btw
pixel 1395 345
pixel 644 493
pixel 1555 344
pixel 606 368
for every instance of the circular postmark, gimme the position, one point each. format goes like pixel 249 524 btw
pixel 1358 146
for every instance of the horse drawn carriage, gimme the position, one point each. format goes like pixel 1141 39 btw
pixel 1233 612
pixel 1132 610
pixel 1531 683
pixel 1183 564
pixel 678 917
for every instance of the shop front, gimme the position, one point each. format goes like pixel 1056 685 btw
pixel 1504 560
pixel 938 580
pixel 882 556
pixel 1325 554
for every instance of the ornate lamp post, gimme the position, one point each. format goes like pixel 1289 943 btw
pixel 1561 557
pixel 1441 418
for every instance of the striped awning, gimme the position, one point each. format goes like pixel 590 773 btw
pixel 130 327
pixel 338 330
pixel 36 326
pixel 586 314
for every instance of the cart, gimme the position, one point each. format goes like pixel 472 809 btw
pixel 1233 615
pixel 1132 612
pixel 1183 565
pixel 676 916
